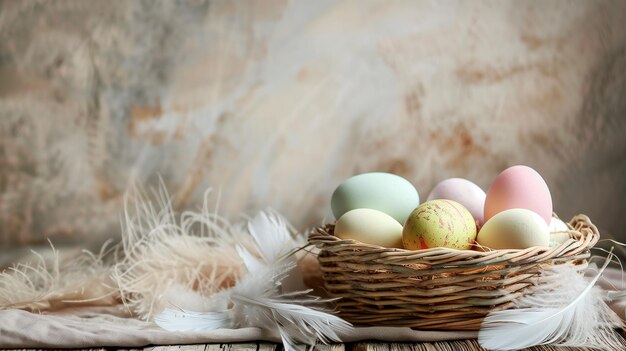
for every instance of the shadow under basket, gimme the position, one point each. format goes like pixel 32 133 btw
pixel 438 288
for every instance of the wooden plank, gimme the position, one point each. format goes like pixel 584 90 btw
pixel 194 347
pixel 458 345
pixel 258 346
pixel 329 347
pixel 262 346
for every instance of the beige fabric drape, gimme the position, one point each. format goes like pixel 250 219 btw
pixel 111 326
pixel 101 327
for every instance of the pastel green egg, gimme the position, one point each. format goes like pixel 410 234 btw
pixel 439 223
pixel 384 192
pixel 369 226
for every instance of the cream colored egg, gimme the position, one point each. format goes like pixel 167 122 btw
pixel 370 227
pixel 558 232
pixel 557 225
pixel 516 228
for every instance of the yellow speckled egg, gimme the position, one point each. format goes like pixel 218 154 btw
pixel 517 228
pixel 369 226
pixel 439 223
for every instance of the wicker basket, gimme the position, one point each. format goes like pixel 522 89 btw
pixel 438 288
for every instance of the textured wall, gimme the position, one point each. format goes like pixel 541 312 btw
pixel 275 102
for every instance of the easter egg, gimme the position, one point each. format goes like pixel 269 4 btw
pixel 557 225
pixel 519 187
pixel 439 223
pixel 558 232
pixel 516 228
pixel 384 192
pixel 370 227
pixel 468 194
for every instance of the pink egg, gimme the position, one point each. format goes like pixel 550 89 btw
pixel 468 194
pixel 519 187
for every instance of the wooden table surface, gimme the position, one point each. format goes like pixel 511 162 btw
pixel 462 345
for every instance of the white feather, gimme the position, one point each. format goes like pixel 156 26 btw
pixel 60 280
pixel 567 312
pixel 271 236
pixel 187 299
pixel 301 324
pixel 257 299
pixel 615 295
pixel 251 262
pixel 181 320
pixel 164 255
pixel 277 245
pixel 272 240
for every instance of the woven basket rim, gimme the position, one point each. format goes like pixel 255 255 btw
pixel 583 235
pixel 438 288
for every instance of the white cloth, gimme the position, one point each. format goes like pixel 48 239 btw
pixel 82 328
pixel 110 326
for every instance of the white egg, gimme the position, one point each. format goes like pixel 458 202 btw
pixel 557 225
pixel 516 228
pixel 558 232
pixel 369 226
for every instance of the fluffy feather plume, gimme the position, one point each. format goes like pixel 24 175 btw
pixel 272 238
pixel 256 302
pixel 259 300
pixel 569 311
pixel 274 247
pixel 163 257
pixel 56 283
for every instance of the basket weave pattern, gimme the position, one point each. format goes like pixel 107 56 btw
pixel 438 288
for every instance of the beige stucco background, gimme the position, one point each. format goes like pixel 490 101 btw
pixel 275 102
